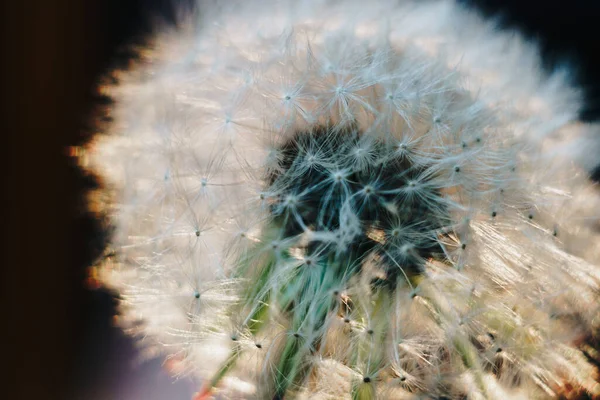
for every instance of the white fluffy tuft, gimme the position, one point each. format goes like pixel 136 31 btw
pixel 260 145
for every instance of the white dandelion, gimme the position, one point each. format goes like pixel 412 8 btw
pixel 334 199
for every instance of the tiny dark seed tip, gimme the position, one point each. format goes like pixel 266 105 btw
pixel 530 216
pixel 259 346
pixel 463 246
pixel 499 349
pixel 366 379
pixel 494 213
pixel 347 320
pixel 370 331
pixel 456 169
pixel 296 335
pixel 402 379
pixel 197 233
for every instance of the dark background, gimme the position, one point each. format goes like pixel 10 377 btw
pixel 57 334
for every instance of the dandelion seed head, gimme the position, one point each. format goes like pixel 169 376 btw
pixel 392 198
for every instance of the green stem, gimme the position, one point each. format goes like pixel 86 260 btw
pixel 307 317
pixel 461 342
pixel 258 316
pixel 226 367
pixel 370 349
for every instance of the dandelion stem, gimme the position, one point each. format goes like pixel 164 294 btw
pixel 370 349
pixel 468 353
pixel 308 318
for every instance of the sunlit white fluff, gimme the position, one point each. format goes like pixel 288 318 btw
pixel 200 122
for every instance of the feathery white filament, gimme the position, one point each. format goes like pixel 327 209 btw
pixel 389 193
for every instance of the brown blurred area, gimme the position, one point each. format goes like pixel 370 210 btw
pixel 56 333
pixel 45 81
pixel 52 52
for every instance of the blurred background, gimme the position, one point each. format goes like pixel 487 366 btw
pixel 58 330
